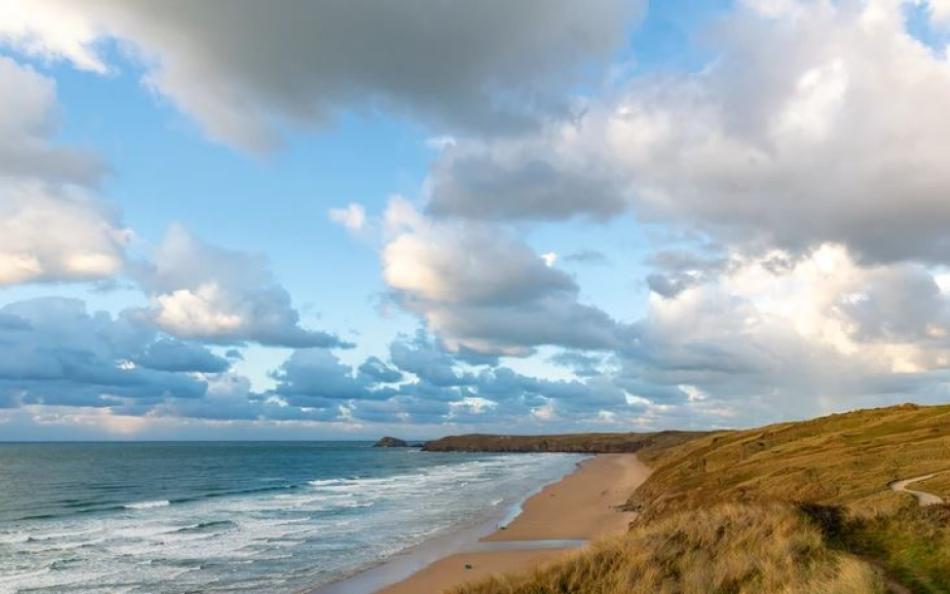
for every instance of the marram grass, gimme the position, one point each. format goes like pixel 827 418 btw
pixel 726 549
pixel 790 508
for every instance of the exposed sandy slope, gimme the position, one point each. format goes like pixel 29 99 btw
pixel 580 506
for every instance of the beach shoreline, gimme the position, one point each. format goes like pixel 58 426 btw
pixel 463 537
pixel 557 520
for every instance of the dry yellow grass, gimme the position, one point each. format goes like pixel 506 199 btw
pixel 727 549
pixel 792 507
pixel 846 459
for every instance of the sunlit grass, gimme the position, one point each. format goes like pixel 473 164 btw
pixel 793 507
pixel 728 549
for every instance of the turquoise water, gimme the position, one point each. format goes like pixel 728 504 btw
pixel 237 516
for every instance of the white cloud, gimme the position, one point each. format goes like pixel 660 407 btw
pixel 45 30
pixel 45 237
pixel 939 11
pixel 52 227
pixel 815 122
pixel 483 289
pixel 198 312
pixel 779 335
pixel 352 217
pixel 28 111
pixel 205 292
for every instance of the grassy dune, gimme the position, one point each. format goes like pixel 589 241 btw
pixel 793 507
pixel 846 459
pixel 726 549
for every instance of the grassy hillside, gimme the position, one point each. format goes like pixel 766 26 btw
pixel 587 443
pixel 846 459
pixel 716 507
pixel 724 549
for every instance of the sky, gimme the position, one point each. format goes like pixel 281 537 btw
pixel 339 220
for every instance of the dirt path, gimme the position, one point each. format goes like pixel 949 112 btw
pixel 923 497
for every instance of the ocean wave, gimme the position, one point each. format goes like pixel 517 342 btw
pixel 201 541
pixel 210 526
pixel 447 475
pixel 148 504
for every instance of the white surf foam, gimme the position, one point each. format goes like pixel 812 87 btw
pixel 148 504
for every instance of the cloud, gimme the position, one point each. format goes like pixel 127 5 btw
pixel 582 364
pixel 376 369
pixel 310 375
pixel 353 217
pixel 823 333
pixel 938 11
pixel 27 124
pixel 806 156
pixel 52 227
pixel 677 270
pixel 52 237
pixel 548 176
pixel 173 355
pixel 481 288
pixel 230 398
pixel 482 66
pixel 61 354
pixel 424 383
pixel 200 291
pixel 57 356
pixel 812 123
pixel 425 358
pixel 751 339
pixel 495 393
pixel 402 409
pixel 47 31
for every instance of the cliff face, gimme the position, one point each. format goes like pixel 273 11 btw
pixel 581 443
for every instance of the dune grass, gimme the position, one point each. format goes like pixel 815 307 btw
pixel 792 507
pixel 845 459
pixel 726 549
pixel 913 544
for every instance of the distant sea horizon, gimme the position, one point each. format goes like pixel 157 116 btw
pixel 367 440
pixel 163 516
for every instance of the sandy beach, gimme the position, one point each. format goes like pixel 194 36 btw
pixel 581 506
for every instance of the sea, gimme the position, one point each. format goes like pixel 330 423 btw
pixel 176 517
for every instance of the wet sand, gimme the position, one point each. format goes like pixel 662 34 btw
pixel 581 506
